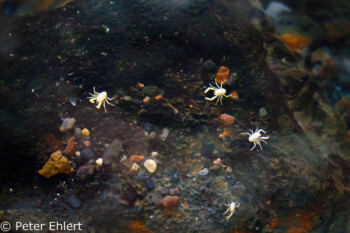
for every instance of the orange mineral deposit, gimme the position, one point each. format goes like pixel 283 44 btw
pixel 141 85
pixel 146 99
pixel 222 75
pixel 234 95
pixel 295 42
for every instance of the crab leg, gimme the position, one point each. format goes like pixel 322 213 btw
pixel 262 140
pixel 104 105
pixel 264 137
pixel 109 102
pixel 260 130
pixel 208 89
pixel 259 144
pixel 246 133
pixel 110 98
pixel 99 105
pixel 229 215
pixel 96 92
pixel 212 98
pixel 251 131
pixel 253 146
pixel 226 211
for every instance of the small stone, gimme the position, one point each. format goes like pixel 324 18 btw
pixel 77 132
pixel 87 154
pixel 169 202
pixel 112 152
pixel 262 112
pixel 137 158
pixel 227 119
pixel 87 143
pixel 150 165
pixel 150 91
pixel 210 66
pixel 85 132
pixel 153 135
pixel 74 202
pixel 149 184
pixel 70 149
pixel 67 124
pixel 154 154
pixel 217 161
pixel 99 162
pixel 164 135
pixel 164 191
pixel 174 191
pixel 175 177
pixel 135 167
pixel 203 172
pixel 77 153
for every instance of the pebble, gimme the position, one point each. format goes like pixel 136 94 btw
pixel 87 154
pixel 150 165
pixel 164 135
pixel 210 66
pixel 150 91
pixel 99 162
pixel 175 177
pixel 70 149
pixel 137 158
pixel 74 202
pixel 87 143
pixel 112 151
pixel 67 124
pixel 203 172
pixel 85 170
pixel 135 167
pixel 85 132
pixel 77 132
pixel 174 191
pixel 217 161
pixel 169 202
pixel 262 112
pixel 227 119
pixel 149 184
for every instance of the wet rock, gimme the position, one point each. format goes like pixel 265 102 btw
pixel 175 176
pixel 67 124
pixel 150 91
pixel 137 158
pixel 135 167
pixel 99 162
pixel 174 191
pixel 233 79
pixel 203 172
pixel 85 170
pixel 217 161
pixel 207 148
pixel 85 132
pixel 210 66
pixel 149 184
pixel 57 164
pixel 164 135
pixel 87 143
pixel 77 132
pixel 169 202
pixel 164 191
pixel 112 152
pixel 70 149
pixel 222 75
pixel 238 189
pixel 74 202
pixel 262 112
pixel 227 119
pixel 150 165
pixel 275 8
pixel 87 154
pixel 142 175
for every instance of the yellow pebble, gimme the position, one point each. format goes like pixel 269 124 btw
pixel 85 132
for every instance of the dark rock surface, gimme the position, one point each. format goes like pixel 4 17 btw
pixel 51 61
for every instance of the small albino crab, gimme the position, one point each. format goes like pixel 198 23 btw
pixel 256 137
pixel 100 98
pixel 231 208
pixel 219 92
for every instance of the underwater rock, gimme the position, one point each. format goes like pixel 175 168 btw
pixel 137 158
pixel 57 164
pixel 227 119
pixel 150 91
pixel 150 165
pixel 164 135
pixel 135 167
pixel 87 143
pixel 85 170
pixel 210 66
pixel 87 154
pixel 112 151
pixel 53 142
pixel 275 8
pixel 70 149
pixel 262 112
pixel 99 162
pixel 169 202
pixel 203 172
pixel 149 184
pixel 74 202
pixel 67 124
pixel 85 132
pixel 222 75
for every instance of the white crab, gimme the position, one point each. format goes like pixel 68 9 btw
pixel 231 208
pixel 256 137
pixel 100 98
pixel 219 92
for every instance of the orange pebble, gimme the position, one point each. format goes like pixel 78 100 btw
pixel 226 133
pixel 222 75
pixel 137 158
pixel 268 202
pixel 227 119
pixel 141 85
pixel 221 135
pixel 234 95
pixel 158 97
pixel 146 99
pixel 295 42
pixel 191 106
pixel 85 132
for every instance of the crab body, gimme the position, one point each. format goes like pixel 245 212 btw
pixel 256 137
pixel 100 98
pixel 231 208
pixel 219 92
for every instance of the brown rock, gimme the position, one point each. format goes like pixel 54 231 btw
pixel 222 75
pixel 70 149
pixel 67 124
pixel 227 119
pixel 57 164
pixel 169 202
pixel 87 143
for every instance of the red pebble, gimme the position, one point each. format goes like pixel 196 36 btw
pixel 227 119
pixel 169 202
pixel 70 149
